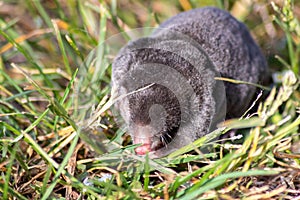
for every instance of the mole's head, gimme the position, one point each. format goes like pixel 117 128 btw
pixel 166 89
pixel 153 118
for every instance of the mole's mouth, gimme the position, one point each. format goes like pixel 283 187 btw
pixel 148 145
pixel 142 150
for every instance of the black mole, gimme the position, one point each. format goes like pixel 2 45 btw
pixel 170 94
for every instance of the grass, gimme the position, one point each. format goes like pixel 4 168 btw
pixel 55 85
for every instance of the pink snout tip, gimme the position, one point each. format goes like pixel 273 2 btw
pixel 142 150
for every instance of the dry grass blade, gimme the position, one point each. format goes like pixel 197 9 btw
pixel 25 37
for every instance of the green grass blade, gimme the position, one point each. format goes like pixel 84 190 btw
pixel 195 190
pixel 62 47
pixel 61 168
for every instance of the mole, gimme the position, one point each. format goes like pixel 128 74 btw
pixel 167 83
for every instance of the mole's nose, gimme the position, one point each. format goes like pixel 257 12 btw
pixel 142 150
pixel 142 135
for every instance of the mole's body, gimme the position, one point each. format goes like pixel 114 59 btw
pixel 166 113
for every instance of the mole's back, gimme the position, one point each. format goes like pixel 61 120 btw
pixel 230 47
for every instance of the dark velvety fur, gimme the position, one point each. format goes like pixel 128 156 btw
pixel 216 44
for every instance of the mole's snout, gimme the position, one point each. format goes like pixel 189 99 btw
pixel 142 150
pixel 142 135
